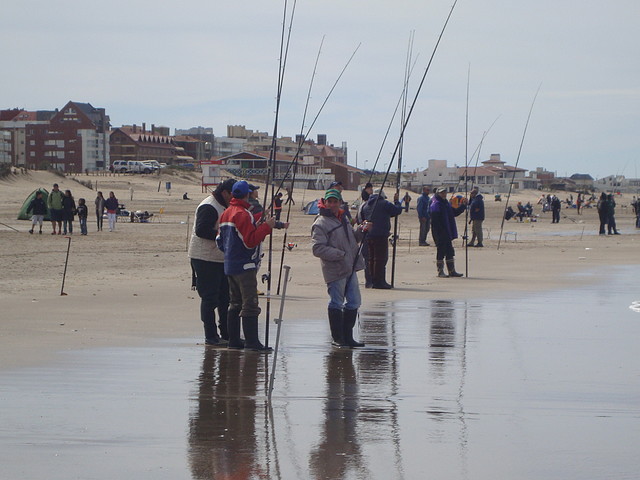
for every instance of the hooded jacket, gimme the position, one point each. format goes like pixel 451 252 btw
pixel 424 202
pixel 240 238
pixel 443 222
pixel 476 208
pixel 334 242
pixel 380 215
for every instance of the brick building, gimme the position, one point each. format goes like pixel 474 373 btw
pixel 75 139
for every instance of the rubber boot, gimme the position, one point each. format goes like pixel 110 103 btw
pixel 211 336
pixel 452 268
pixel 233 328
pixel 350 317
pixel 440 265
pixel 336 324
pixel 251 340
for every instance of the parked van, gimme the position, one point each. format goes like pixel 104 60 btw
pixel 130 166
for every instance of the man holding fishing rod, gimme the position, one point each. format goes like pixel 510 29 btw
pixel 239 239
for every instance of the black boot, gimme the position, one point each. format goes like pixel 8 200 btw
pixel 233 328
pixel 211 336
pixel 350 317
pixel 336 324
pixel 251 340
pixel 452 268
pixel 440 265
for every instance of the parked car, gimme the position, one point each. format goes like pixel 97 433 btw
pixel 131 166
pixel 153 164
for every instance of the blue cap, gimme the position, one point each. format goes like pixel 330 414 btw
pixel 240 189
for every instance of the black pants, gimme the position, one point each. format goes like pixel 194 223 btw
pixel 213 288
pixel 378 257
pixel 556 216
pixel 444 249
pixel 425 225
pixel 99 219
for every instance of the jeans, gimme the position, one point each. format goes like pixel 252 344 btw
pixel 83 225
pixel 67 225
pixel 112 221
pixel 340 290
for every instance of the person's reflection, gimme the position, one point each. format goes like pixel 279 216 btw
pixel 222 432
pixel 338 449
pixel 442 334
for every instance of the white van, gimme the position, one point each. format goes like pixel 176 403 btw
pixel 130 166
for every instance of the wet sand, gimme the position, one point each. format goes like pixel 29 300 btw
pixel 525 369
pixel 543 386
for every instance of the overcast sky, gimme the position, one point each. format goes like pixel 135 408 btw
pixel 214 63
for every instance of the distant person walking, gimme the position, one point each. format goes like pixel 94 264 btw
pixel 39 209
pixel 476 214
pixel 83 213
pixel 69 211
pixel 555 209
pixel 444 230
pixel 111 204
pixel 289 197
pixel 54 202
pixel 424 202
pixel 602 212
pixel 99 201
pixel 407 201
pixel 611 216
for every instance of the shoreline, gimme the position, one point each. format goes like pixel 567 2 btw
pixel 133 285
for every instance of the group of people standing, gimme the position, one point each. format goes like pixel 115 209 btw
pixel 225 256
pixel 62 210
pixel 607 214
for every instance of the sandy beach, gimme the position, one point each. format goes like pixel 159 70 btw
pixel 132 285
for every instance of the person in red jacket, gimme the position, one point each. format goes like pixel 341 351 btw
pixel 239 238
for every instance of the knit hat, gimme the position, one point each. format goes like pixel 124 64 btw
pixel 332 193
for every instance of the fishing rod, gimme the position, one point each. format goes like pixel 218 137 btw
pixel 284 51
pixel 404 126
pixel 399 171
pixel 294 162
pixel 524 133
pixel 295 168
pixel 466 180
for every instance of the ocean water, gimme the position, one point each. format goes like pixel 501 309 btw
pixel 527 386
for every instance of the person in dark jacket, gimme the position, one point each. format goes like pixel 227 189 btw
pixel 207 265
pixel 424 201
pixel 444 230
pixel 83 213
pixel 476 217
pixel 555 209
pixel 99 202
pixel 68 212
pixel 39 209
pixel 111 205
pixel 611 216
pixel 378 211
pixel 602 212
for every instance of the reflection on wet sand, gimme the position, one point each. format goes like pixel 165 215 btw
pixel 222 425
pixel 479 389
pixel 338 450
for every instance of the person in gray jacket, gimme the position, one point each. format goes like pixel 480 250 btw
pixel 333 241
